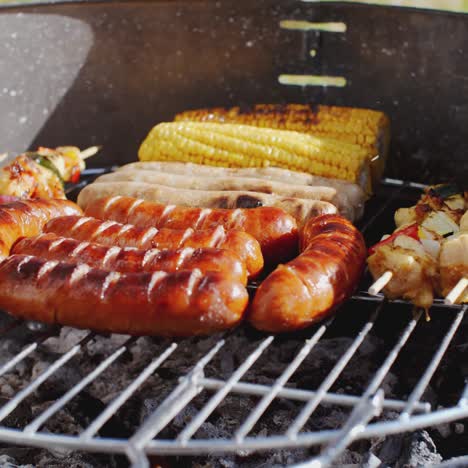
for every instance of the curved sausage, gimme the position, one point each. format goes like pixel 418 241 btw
pixel 309 288
pixel 183 303
pixel 275 230
pixel 131 260
pixel 111 233
pixel 26 218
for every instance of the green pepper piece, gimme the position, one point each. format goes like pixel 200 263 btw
pixel 44 161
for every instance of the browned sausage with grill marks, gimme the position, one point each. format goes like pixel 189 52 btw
pixel 111 233
pixel 183 303
pixel 26 218
pixel 275 230
pixel 308 288
pixel 129 259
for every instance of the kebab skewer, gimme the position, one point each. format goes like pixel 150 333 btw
pixel 406 263
pixel 42 173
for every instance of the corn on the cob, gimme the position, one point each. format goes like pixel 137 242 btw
pixel 367 128
pixel 234 145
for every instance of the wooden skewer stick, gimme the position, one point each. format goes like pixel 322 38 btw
pixel 88 152
pixel 457 291
pixel 380 283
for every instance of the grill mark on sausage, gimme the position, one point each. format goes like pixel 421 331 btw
pixel 184 254
pixel 48 266
pixel 27 259
pixel 111 201
pixel 234 215
pixel 219 235
pixel 111 254
pixel 79 272
pixel 156 277
pixel 148 235
pixel 53 245
pixel 201 217
pixel 80 222
pixel 187 233
pixel 150 254
pixel 111 278
pixel 79 248
pixel 165 214
pixel 134 206
pixel 248 201
pixel 102 227
pixel 125 228
pixel 193 280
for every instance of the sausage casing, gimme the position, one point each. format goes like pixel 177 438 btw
pixel 27 217
pixel 275 230
pixel 111 233
pixel 131 260
pixel 183 303
pixel 300 208
pixel 309 287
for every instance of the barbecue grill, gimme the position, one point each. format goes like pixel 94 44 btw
pixel 104 73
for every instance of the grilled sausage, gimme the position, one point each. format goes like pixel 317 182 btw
pixel 300 208
pixel 26 218
pixel 275 230
pixel 348 192
pixel 199 182
pixel 183 303
pixel 206 182
pixel 309 288
pixel 111 233
pixel 131 260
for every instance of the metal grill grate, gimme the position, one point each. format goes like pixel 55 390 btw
pixel 370 413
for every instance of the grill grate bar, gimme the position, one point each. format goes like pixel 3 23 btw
pixel 263 404
pixel 385 367
pixel 433 365
pixel 310 407
pixel 26 391
pixel 365 296
pixel 26 351
pixel 366 410
pixel 19 357
pixel 65 398
pixel 305 395
pixel 126 394
pixel 187 389
pixel 216 399
pixel 463 402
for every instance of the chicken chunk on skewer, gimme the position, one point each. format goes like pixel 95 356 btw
pixel 414 270
pixel 411 257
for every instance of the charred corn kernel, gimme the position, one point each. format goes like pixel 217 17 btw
pixel 367 128
pixel 234 145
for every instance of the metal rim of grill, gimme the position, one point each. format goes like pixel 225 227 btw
pixel 413 412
